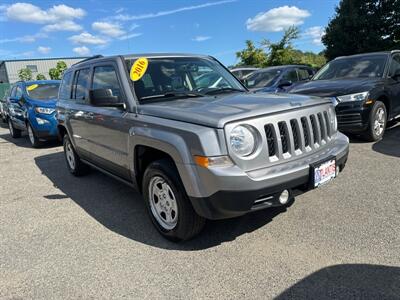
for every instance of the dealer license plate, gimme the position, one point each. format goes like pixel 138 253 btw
pixel 324 172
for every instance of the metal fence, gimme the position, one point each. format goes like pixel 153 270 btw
pixel 3 89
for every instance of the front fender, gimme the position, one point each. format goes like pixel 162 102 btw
pixel 181 141
pixel 171 144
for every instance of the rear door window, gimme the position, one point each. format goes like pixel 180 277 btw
pixel 13 91
pixel 18 93
pixel 304 74
pixel 291 75
pixel 395 66
pixel 81 84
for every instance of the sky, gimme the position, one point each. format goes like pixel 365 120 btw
pixel 39 29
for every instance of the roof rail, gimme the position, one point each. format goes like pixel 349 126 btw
pixel 89 58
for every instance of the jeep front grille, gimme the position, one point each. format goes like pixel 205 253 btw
pixel 298 135
pixel 284 136
pixel 270 134
pixel 305 132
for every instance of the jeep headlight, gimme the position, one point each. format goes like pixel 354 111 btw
pixel 333 119
pixel 353 97
pixel 243 140
pixel 44 110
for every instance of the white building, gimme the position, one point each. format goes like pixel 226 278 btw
pixel 9 68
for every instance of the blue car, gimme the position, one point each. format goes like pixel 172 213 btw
pixel 277 79
pixel 30 106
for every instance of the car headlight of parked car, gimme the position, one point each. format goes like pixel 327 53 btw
pixel 353 97
pixel 333 119
pixel 243 140
pixel 44 110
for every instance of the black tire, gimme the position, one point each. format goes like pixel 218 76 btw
pixel 372 134
pixel 14 132
pixel 189 223
pixel 77 167
pixel 34 140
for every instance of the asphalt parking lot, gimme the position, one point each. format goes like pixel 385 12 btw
pixel 65 238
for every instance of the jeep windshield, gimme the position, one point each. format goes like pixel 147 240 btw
pixel 46 91
pixel 353 67
pixel 169 78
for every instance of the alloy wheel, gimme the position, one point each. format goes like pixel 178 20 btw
pixel 379 122
pixel 10 126
pixel 163 203
pixel 69 153
pixel 31 135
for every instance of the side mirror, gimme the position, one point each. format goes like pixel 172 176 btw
pixel 284 83
pixel 396 75
pixel 105 98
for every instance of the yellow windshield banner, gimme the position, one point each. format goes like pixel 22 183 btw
pixel 139 68
pixel 32 87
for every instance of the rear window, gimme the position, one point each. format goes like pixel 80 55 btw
pixel 48 91
pixel 81 84
pixel 65 88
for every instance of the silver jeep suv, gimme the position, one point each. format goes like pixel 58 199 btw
pixel 187 134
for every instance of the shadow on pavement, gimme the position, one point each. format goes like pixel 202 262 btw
pixel 349 281
pixel 121 209
pixel 390 144
pixel 23 141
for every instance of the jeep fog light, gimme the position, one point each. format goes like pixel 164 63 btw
pixel 213 161
pixel 284 197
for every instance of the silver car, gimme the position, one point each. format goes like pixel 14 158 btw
pixel 195 151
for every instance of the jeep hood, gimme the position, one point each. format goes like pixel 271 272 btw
pixel 334 88
pixel 216 111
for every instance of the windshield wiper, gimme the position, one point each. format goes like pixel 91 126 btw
pixel 223 90
pixel 173 95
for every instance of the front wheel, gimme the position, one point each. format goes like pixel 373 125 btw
pixel 168 205
pixel 74 164
pixel 377 122
pixel 14 132
pixel 32 137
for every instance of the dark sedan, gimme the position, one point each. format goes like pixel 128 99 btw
pixel 366 88
pixel 277 79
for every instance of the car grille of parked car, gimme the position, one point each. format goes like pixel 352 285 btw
pixel 299 135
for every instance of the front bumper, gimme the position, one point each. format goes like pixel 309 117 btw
pixel 353 116
pixel 45 131
pixel 236 192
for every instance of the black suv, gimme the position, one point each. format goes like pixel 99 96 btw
pixel 366 88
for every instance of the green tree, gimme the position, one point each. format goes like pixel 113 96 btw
pixel 363 26
pixel 61 67
pixel 25 74
pixel 40 77
pixel 56 73
pixel 282 52
pixel 279 53
pixel 251 56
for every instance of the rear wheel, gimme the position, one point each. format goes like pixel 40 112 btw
pixel 74 164
pixel 32 137
pixel 14 132
pixel 168 205
pixel 377 122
